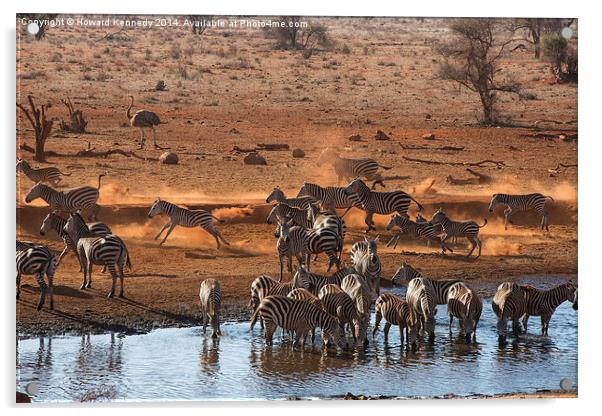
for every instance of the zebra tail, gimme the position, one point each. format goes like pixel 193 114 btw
pixel 417 203
pixel 254 318
pixel 99 178
pixel 484 224
pixel 128 262
pixel 217 219
pixel 548 196
pixel 385 167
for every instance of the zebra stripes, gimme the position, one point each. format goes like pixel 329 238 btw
pixel 283 212
pixel 315 282
pixel 210 297
pixel 76 199
pixel 299 316
pixel 544 302
pixel 405 273
pixel 332 197
pixel 185 218
pixel 421 298
pixel 346 169
pixel 464 304
pixel 517 203
pixel 327 219
pixel 38 260
pixel 508 303
pixel 424 230
pixel 379 202
pixel 109 250
pixel 359 291
pixel 365 260
pixel 340 305
pixel 467 229
pixel 395 311
pixel 50 175
pixel 278 195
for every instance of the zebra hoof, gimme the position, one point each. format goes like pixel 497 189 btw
pixel 110 296
pixel 89 286
pixel 82 287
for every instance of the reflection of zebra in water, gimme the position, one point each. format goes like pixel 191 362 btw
pixel 51 174
pixel 396 311
pixel 332 197
pixel 186 218
pixel 464 304
pixel 346 169
pixel 38 260
pixel 421 298
pixel 516 203
pixel 467 229
pixel 76 199
pixel 415 229
pixel 210 298
pixel 278 195
pixel 379 202
pixel 544 302
pixel 508 303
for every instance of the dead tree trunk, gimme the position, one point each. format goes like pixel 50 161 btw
pixel 41 127
pixel 77 122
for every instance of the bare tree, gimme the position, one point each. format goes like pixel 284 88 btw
pixel 77 121
pixel 536 28
pixel 298 34
pixel 41 127
pixel 562 56
pixel 472 59
pixel 199 23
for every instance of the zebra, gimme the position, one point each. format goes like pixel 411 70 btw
pixel 346 169
pixel 464 304
pixel 365 260
pixel 516 203
pixel 405 273
pixel 418 229
pixel 300 293
pixel 396 311
pixel 468 229
pixel 340 305
pixel 299 241
pixel 210 297
pixel 421 298
pixel 508 303
pixel 298 316
pixel 315 282
pixel 38 260
pixel 379 202
pixel 51 175
pixel 544 302
pixel 360 292
pixel 328 219
pixel 76 199
pixel 575 306
pixel 278 195
pixel 282 211
pixel 186 218
pixel 109 250
pixel 332 197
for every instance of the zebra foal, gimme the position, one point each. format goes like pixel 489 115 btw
pixel 467 229
pixel 543 303
pixel 395 311
pixel 464 304
pixel 517 203
pixel 210 298
pixel 50 175
pixel 38 260
pixel 346 169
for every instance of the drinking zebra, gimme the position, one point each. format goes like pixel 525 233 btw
pixel 185 218
pixel 51 174
pixel 109 251
pixel 544 302
pixel 516 203
pixel 464 304
pixel 340 305
pixel 379 202
pixel 346 169
pixel 298 316
pixel 360 292
pixel 210 297
pixel 300 293
pixel 508 303
pixel 316 282
pixel 467 229
pixel 396 311
pixel 76 199
pixel 278 195
pixel 332 197
pixel 421 298
pixel 365 260
pixel 405 273
pixel 38 260
pixel 424 230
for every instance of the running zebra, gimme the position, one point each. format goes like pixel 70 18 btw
pixel 76 199
pixel 278 195
pixel 516 203
pixel 50 175
pixel 508 303
pixel 396 311
pixel 359 291
pixel 421 298
pixel 38 260
pixel 365 260
pixel 210 297
pixel 544 302
pixel 332 197
pixel 298 316
pixel 185 218
pixel 467 229
pixel 464 304
pixel 346 169
pixel 340 305
pixel 282 212
pixel 109 251
pixel 328 219
pixel 379 202
pixel 424 230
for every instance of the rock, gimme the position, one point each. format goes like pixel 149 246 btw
pixel 298 153
pixel 355 138
pixel 169 158
pixel 428 117
pixel 430 136
pixel 254 158
pixel 380 135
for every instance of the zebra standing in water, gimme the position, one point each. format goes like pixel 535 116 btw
pixel 315 282
pixel 109 250
pixel 185 218
pixel 359 290
pixel 405 273
pixel 51 174
pixel 38 260
pixel 76 199
pixel 468 229
pixel 516 203
pixel 366 261
pixel 210 297
pixel 396 311
pixel 421 298
pixel 340 305
pixel 379 202
pixel 544 302
pixel 464 304
pixel 508 303
pixel 278 195
pixel 332 197
pixel 346 169
pixel 299 316
pixel 416 229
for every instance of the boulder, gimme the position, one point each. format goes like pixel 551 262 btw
pixel 254 158
pixel 355 138
pixel 169 158
pixel 429 136
pixel 298 153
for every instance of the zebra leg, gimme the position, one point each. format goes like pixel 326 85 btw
pixel 217 235
pixel 544 221
pixel 155 138
pixel 18 285
pixel 525 321
pixel 474 243
pixel 451 321
pixel 281 258
pixel 386 331
pixel 204 315
pixel 171 227
pixel 43 287
pixel 377 318
pixel 270 328
pixel 85 265
pixel 515 327
pixel 163 229
pixel 480 243
pixel 89 283
pixel 120 266
pixel 50 277
pixel 545 322
pixel 401 335
pixel 111 267
pixel 507 213
pixel 65 250
pixel 368 221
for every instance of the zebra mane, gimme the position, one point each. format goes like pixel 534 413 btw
pixel 81 219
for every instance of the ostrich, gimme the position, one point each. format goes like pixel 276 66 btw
pixel 144 119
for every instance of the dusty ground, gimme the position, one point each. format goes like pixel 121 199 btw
pixel 230 88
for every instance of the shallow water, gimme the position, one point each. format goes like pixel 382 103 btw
pixel 183 364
